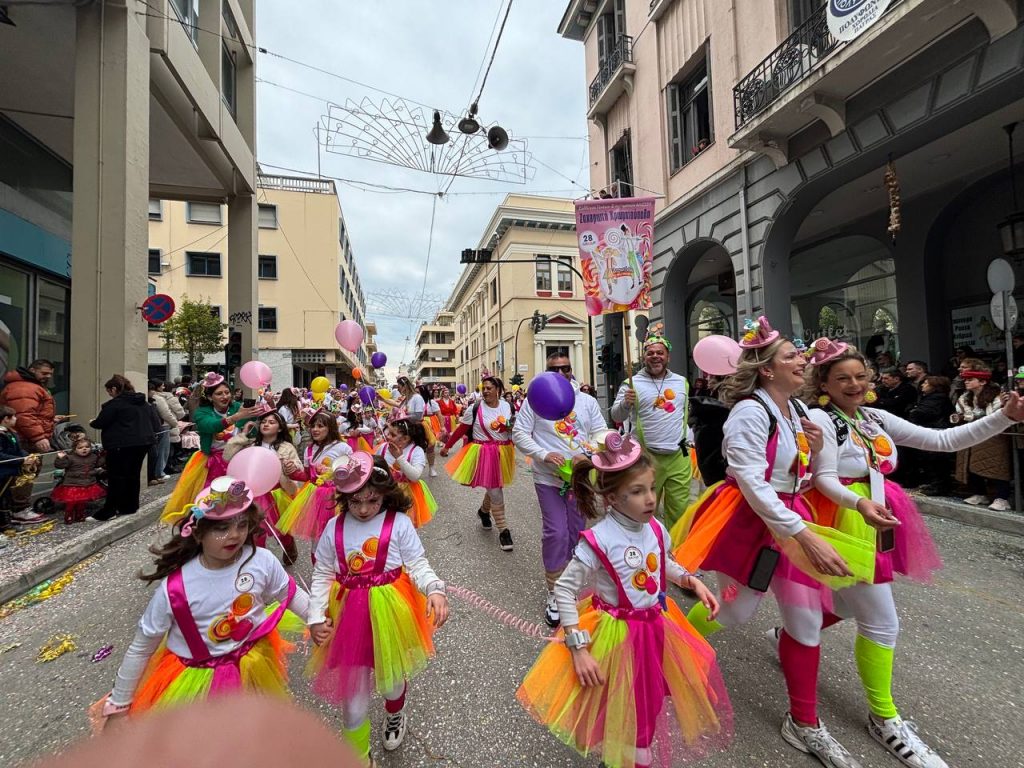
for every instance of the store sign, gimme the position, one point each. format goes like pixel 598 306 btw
pixel 847 19
pixel 974 327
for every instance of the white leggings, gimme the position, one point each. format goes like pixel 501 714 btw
pixel 872 606
pixel 356 711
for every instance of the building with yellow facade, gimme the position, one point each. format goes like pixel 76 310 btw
pixel 532 240
pixel 307 278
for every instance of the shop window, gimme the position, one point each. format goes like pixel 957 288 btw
pixel 203 213
pixel 543 274
pixel 268 216
pixel 14 328
pixel 154 261
pixel 53 330
pixel 268 319
pixel 268 267
pixel 202 264
pixel 155 210
pixel 689 116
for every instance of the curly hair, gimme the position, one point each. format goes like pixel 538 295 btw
pixel 180 549
pixel 381 480
pixel 748 370
pixel 586 492
pixel 816 375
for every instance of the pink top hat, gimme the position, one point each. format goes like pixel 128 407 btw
pixel 398 414
pixel 224 498
pixel 211 380
pixel 758 333
pixel 616 452
pixel 350 473
pixel 825 350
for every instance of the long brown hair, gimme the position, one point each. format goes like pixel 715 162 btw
pixel 180 549
pixel 607 482
pixel 381 480
pixel 329 421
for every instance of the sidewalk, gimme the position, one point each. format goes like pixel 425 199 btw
pixel 33 558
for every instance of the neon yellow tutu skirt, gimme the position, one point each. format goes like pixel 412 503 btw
pixel 484 465
pixel 423 504
pixel 198 473
pixel 309 512
pixel 663 696
pixel 428 428
pixel 381 627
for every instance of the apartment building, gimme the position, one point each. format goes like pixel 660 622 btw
pixel 436 351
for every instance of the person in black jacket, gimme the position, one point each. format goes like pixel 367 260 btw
pixel 128 425
pixel 933 410
pixel 896 394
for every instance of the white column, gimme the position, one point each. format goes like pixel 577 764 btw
pixel 538 357
pixel 577 361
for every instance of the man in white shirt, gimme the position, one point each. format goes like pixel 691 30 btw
pixel 657 405
pixel 552 445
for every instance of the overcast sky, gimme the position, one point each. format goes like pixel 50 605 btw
pixel 430 52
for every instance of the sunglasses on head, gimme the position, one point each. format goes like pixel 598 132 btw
pixel 559 369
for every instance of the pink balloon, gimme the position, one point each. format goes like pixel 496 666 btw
pixel 349 334
pixel 258 467
pixel 255 374
pixel 717 355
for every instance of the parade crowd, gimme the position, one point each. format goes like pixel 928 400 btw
pixel 791 481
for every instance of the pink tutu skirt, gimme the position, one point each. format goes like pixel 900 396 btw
pixel 309 513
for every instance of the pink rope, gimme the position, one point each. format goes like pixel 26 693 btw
pixel 528 628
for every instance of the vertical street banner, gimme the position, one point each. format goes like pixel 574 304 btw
pixel 616 255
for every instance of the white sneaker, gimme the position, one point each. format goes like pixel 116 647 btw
pixel 1000 505
pixel 818 742
pixel 27 517
pixel 433 472
pixel 551 612
pixel 900 737
pixel 394 730
pixel 773 636
pixel 977 500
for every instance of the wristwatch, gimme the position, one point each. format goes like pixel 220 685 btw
pixel 576 639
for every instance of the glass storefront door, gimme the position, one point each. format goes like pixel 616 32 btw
pixel 53 312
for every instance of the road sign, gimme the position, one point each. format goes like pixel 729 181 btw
pixel 158 309
pixel 1000 276
pixel 996 309
pixel 524 368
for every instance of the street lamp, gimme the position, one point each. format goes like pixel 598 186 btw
pixel 1011 229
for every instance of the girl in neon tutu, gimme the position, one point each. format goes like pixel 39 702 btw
pixel 209 628
pixel 740 525
pixel 488 460
pixel 628 650
pixel 414 401
pixel 216 418
pixel 361 426
pixel 373 592
pixel 313 506
pixel 405 455
pixel 852 493
pixel 273 434
pixel 432 425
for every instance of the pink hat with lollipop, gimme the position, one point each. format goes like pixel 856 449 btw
pixel 825 350
pixel 224 498
pixel 350 473
pixel 212 380
pixel 615 452
pixel 758 333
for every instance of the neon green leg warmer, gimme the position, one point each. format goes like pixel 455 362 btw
pixel 698 617
pixel 874 663
pixel 358 739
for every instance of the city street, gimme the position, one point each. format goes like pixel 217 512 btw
pixel 958 674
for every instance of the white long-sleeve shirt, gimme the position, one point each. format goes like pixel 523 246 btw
pixel 662 430
pixel 745 445
pixel 851 460
pixel 404 550
pixel 411 461
pixel 536 436
pixel 616 534
pixel 212 594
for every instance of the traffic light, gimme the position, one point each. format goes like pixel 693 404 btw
pixel 476 256
pixel 233 351
pixel 517 379
pixel 604 359
pixel 538 322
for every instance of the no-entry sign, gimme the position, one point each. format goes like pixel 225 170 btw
pixel 158 308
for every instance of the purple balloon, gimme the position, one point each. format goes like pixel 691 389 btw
pixel 367 394
pixel 344 387
pixel 378 360
pixel 551 396
pixel 460 388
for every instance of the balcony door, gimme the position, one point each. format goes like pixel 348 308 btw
pixel 801 10
pixel 611 25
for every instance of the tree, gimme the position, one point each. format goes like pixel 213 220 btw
pixel 194 331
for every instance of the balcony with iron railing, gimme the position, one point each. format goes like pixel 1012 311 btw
pixel 614 76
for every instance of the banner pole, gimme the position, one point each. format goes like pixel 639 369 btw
pixel 626 346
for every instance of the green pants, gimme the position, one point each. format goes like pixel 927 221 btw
pixel 672 475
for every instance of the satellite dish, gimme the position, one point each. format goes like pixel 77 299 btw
pixel 497 138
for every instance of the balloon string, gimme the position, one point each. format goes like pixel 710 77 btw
pixel 528 628
pixel 297 575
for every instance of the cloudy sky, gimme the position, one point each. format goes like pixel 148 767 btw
pixel 429 52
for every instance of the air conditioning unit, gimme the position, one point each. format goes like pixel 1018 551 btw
pixel 165 263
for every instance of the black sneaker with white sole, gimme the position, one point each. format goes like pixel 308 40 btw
pixel 394 730
pixel 551 617
pixel 485 518
pixel 505 540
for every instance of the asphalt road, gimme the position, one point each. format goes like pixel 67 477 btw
pixel 959 672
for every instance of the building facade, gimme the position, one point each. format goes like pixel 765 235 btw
pixel 436 351
pixel 307 278
pixel 106 105
pixel 767 140
pixel 533 245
